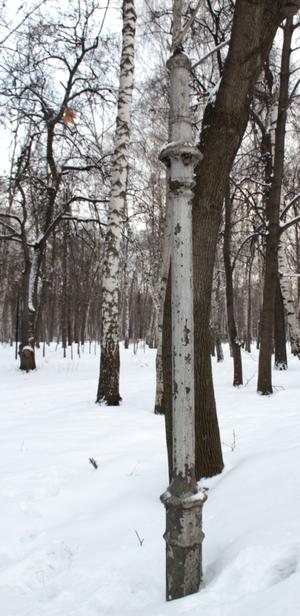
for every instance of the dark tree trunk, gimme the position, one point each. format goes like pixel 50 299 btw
pixel 218 324
pixel 209 460
pixel 224 124
pixel 84 316
pixel 264 384
pixel 274 175
pixel 219 348
pixel 17 324
pixel 249 311
pixel 53 292
pixel 232 331
pixel 297 262
pixel 212 341
pixel 26 348
pixel 258 335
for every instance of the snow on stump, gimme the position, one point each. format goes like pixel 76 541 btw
pixel 27 358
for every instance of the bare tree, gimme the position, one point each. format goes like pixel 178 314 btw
pixel 51 150
pixel 235 343
pixel 275 165
pixel 224 123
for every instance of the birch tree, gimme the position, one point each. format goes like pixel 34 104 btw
pixel 108 386
pixel 275 170
pixel 159 391
pixel 288 300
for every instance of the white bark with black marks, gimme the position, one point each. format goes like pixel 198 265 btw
pixel 108 389
pixel 288 300
pixel 158 405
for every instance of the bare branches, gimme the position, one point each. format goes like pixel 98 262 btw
pixel 178 32
pixel 288 206
pixel 289 224
pixel 211 52
pixel 23 20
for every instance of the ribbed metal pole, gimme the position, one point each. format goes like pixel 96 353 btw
pixel 182 500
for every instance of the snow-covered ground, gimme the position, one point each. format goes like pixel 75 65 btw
pixel 79 541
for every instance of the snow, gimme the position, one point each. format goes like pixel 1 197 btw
pixel 178 145
pixel 213 93
pixel 79 541
pixel 32 281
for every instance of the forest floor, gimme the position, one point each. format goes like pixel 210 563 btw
pixel 80 541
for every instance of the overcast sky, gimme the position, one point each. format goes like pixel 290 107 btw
pixel 12 13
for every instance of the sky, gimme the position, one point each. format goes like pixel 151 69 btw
pixel 12 16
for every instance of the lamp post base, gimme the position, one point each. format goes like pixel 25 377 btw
pixel 183 538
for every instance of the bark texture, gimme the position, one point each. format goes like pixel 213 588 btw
pixel 232 331
pixel 288 300
pixel 215 325
pixel 279 331
pixel 108 387
pixel 273 198
pixel 159 405
pixel 225 119
pixel 249 310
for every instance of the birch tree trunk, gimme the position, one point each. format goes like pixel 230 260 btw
pixel 4 259
pixel 249 308
pixel 159 392
pixel 273 199
pixel 280 362
pixel 126 293
pixel 65 292
pixel 218 325
pixel 182 500
pixel 288 300
pixel 108 386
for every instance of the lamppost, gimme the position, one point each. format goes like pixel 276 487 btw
pixel 182 500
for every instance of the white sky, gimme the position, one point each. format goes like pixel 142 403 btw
pixel 13 13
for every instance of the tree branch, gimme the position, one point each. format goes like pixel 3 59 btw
pixel 211 52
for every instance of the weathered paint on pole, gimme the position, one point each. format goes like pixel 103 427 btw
pixel 182 500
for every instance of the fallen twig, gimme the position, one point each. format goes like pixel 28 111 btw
pixel 93 462
pixel 141 541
